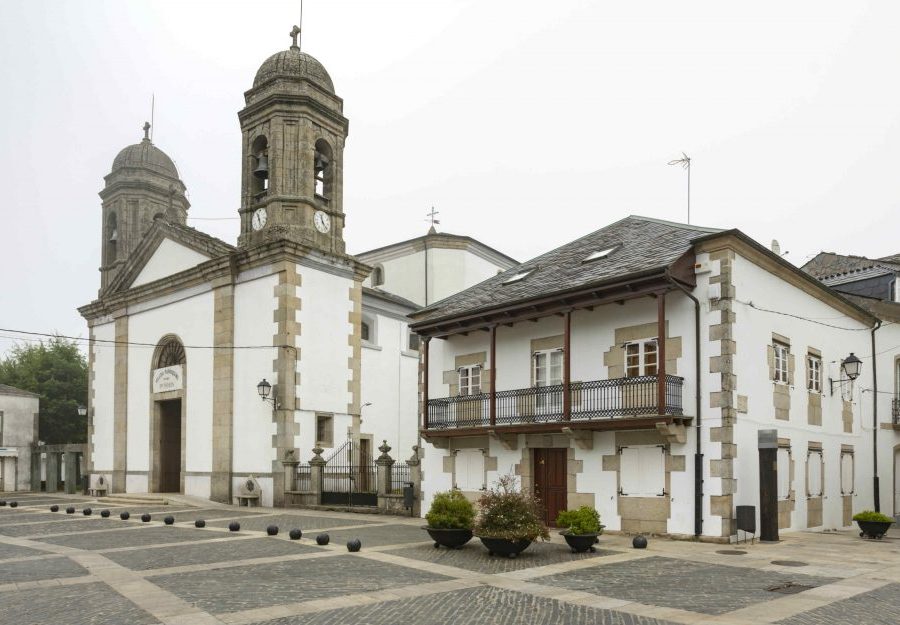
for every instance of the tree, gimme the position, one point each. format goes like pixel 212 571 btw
pixel 57 371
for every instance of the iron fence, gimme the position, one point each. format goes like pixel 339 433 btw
pixel 598 399
pixel 304 478
pixel 400 475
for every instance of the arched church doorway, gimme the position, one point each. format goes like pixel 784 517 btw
pixel 167 423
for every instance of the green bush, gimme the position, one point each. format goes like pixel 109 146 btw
pixel 450 511
pixel 871 515
pixel 585 520
pixel 507 512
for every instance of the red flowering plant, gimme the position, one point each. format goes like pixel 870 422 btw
pixel 510 512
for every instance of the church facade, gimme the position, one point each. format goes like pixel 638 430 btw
pixel 189 332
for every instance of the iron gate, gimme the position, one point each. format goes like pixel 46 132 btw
pixel 349 477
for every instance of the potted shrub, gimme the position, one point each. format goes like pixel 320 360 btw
pixel 508 519
pixel 450 520
pixel 582 527
pixel 872 524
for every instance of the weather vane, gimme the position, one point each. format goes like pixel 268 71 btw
pixel 685 162
pixel 431 216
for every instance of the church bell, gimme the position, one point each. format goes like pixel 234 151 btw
pixel 262 167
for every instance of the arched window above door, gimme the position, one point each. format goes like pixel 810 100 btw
pixel 169 352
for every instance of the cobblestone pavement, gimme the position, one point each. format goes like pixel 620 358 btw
pixel 58 568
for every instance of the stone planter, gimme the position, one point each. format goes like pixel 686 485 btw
pixel 873 529
pixel 449 538
pixel 579 543
pixel 504 547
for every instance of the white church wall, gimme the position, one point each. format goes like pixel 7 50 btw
pixel 403 276
pixel 254 303
pixel 197 486
pixel 168 259
pixel 103 396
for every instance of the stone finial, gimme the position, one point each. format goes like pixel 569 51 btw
pixel 289 455
pixel 414 459
pixel 146 131
pixel 384 448
pixel 295 32
pixel 317 455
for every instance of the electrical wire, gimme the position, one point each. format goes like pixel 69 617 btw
pixel 802 318
pixel 129 343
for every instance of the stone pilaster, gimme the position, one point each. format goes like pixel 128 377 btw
pixel 223 393
pixel 354 362
pixel 120 406
pixel 89 445
pixel 285 366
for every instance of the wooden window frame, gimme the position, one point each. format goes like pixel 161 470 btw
pixel 467 375
pixel 813 373
pixel 782 354
pixel 329 440
pixel 642 350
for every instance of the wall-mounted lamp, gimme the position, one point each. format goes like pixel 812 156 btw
pixel 850 367
pixel 264 389
pixel 82 411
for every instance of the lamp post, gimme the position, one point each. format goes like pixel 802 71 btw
pixel 264 389
pixel 82 411
pixel 850 366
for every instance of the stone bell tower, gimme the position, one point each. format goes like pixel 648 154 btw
pixel 293 133
pixel 142 185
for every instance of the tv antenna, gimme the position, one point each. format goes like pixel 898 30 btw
pixel 685 162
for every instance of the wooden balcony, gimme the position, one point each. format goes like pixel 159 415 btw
pixel 620 403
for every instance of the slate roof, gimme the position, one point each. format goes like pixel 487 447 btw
pixel 432 234
pixel 641 244
pixel 834 269
pixel 6 389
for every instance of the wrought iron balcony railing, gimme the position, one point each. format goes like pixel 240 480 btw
pixel 895 410
pixel 599 399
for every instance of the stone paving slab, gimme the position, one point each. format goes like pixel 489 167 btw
pixel 286 522
pixel 206 553
pixel 380 535
pixel 84 604
pixel 48 568
pixel 877 607
pixel 474 557
pixel 15 551
pixel 14 516
pixel 135 536
pixel 705 588
pixel 68 523
pixel 247 587
pixel 46 501
pixel 205 513
pixel 476 606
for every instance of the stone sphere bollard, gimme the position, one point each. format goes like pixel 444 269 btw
pixel 199 523
pixel 169 520
pixel 87 512
pixel 272 530
pixel 125 516
pixel 70 510
pixel 104 514
pixel 322 539
pixel 13 504
pixel 145 517
pixel 639 542
pixel 2 502
pixel 354 545
pixel 295 534
pixel 234 526
pixel 54 508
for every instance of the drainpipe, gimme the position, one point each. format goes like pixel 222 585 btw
pixel 698 456
pixel 875 485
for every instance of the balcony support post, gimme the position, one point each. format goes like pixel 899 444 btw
pixel 661 353
pixel 567 366
pixel 425 341
pixel 493 376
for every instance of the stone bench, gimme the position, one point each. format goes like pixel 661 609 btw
pixel 249 493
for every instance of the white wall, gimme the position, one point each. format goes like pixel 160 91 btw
pixel 168 259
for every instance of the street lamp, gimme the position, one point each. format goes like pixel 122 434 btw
pixel 264 389
pixel 850 367
pixel 82 410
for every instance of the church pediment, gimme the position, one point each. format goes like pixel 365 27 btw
pixel 167 249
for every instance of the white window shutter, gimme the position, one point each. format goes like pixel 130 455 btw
pixel 814 473
pixel 642 471
pixel 846 474
pixel 784 472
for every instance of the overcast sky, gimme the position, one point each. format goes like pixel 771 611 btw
pixel 526 124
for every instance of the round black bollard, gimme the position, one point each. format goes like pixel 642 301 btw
pixel 125 516
pixel 104 514
pixel 145 517
pixel 639 542
pixel 234 526
pixel 86 512
pixel 13 504
pixel 272 530
pixel 70 510
pixel 169 520
pixel 295 534
pixel 199 523
pixel 322 539
pixel 54 508
pixel 354 545
pixel 2 502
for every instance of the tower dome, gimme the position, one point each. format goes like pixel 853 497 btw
pixel 145 155
pixel 292 64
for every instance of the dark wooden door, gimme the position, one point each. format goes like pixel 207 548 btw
pixel 550 482
pixel 170 446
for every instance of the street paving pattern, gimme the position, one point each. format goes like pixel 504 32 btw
pixel 74 570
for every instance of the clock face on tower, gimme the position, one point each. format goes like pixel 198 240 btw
pixel 258 221
pixel 322 221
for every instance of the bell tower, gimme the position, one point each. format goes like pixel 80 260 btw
pixel 293 132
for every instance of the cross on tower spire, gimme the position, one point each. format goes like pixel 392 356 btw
pixel 432 217
pixel 295 32
pixel 146 131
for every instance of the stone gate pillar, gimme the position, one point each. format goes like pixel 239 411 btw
pixel 316 473
pixel 415 476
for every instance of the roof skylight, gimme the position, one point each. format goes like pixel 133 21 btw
pixel 516 277
pixel 600 254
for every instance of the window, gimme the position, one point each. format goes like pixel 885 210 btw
pixel 414 342
pixel 170 353
pixel 642 471
pixel 469 469
pixel 322 168
pixel 783 468
pixel 814 373
pixel 470 380
pixel 378 275
pixel 814 473
pixel 640 358
pixel 781 361
pixel 548 367
pixel 364 330
pixel 325 430
pixel 368 329
pixel 847 473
